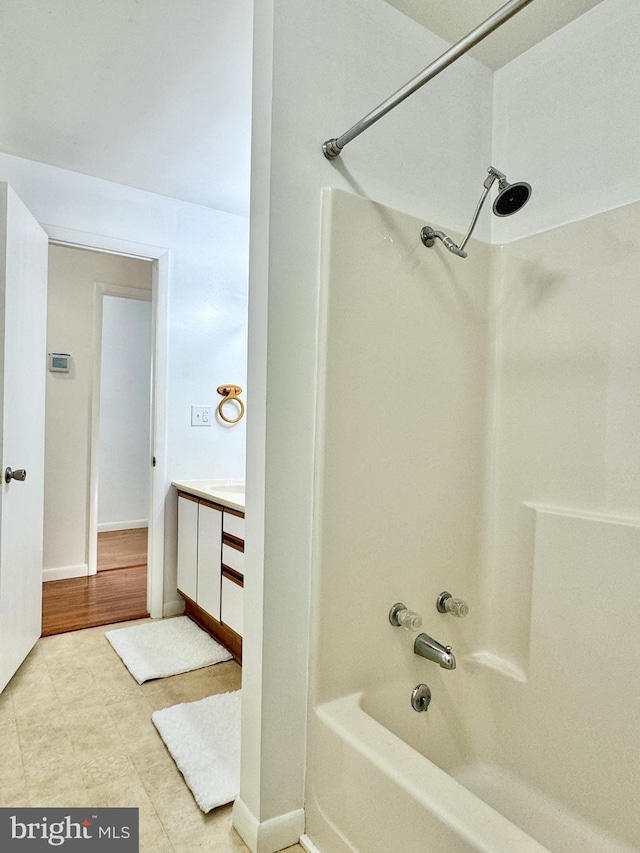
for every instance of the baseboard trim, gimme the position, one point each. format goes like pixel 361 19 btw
pixel 270 835
pixel 307 844
pixel 108 526
pixel 219 631
pixel 65 572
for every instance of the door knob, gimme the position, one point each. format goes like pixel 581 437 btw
pixel 10 475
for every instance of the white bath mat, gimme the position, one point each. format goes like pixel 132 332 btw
pixel 204 740
pixel 166 647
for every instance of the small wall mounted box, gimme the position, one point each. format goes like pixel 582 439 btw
pixel 59 362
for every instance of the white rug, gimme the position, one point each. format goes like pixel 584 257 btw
pixel 204 740
pixel 165 647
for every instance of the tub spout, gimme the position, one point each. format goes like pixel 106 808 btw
pixel 431 649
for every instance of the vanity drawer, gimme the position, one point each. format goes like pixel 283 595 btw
pixel 233 524
pixel 231 609
pixel 232 558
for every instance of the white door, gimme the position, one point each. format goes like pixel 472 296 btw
pixel 23 330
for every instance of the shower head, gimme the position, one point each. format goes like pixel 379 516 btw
pixel 510 199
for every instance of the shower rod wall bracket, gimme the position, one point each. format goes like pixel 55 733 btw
pixel 333 147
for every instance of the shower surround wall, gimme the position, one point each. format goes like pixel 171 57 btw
pixel 513 379
pixel 406 343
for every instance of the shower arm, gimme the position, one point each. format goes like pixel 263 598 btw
pixel 428 234
pixel 494 175
pixel 333 147
pixel 475 216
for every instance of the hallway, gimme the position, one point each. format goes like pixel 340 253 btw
pixel 76 730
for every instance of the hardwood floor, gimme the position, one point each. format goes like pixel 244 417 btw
pixel 114 596
pixel 121 549
pixel 117 593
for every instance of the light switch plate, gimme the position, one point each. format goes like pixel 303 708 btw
pixel 201 415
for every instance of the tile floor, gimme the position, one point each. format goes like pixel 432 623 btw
pixel 76 730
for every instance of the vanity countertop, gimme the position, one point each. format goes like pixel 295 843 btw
pixel 225 492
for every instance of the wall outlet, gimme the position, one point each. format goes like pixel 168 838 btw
pixel 201 415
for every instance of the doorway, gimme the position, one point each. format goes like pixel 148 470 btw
pixel 121 429
pixel 99 429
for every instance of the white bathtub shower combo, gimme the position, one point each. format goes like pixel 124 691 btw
pixel 477 429
pixel 477 440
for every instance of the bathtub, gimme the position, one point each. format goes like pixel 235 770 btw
pixel 371 792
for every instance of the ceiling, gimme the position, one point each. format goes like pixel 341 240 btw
pixel 156 94
pixel 453 19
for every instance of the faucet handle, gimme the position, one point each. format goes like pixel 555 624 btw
pixel 446 603
pixel 401 617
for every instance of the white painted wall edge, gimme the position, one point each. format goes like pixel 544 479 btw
pixel 173 608
pixel 270 835
pixel 109 289
pixel 85 239
pixel 108 526
pixel 64 572
pixel 160 482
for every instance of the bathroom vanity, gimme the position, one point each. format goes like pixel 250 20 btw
pixel 211 557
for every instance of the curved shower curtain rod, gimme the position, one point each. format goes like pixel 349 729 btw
pixel 333 147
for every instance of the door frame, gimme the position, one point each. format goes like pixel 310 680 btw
pixel 161 257
pixel 102 289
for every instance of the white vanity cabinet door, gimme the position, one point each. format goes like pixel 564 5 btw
pixel 188 547
pixel 209 569
pixel 232 595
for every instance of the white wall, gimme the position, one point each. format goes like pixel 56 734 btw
pixel 567 119
pixel 205 306
pixel 125 413
pixel 317 70
pixel 73 274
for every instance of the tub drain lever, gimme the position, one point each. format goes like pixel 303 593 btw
pixel 420 697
